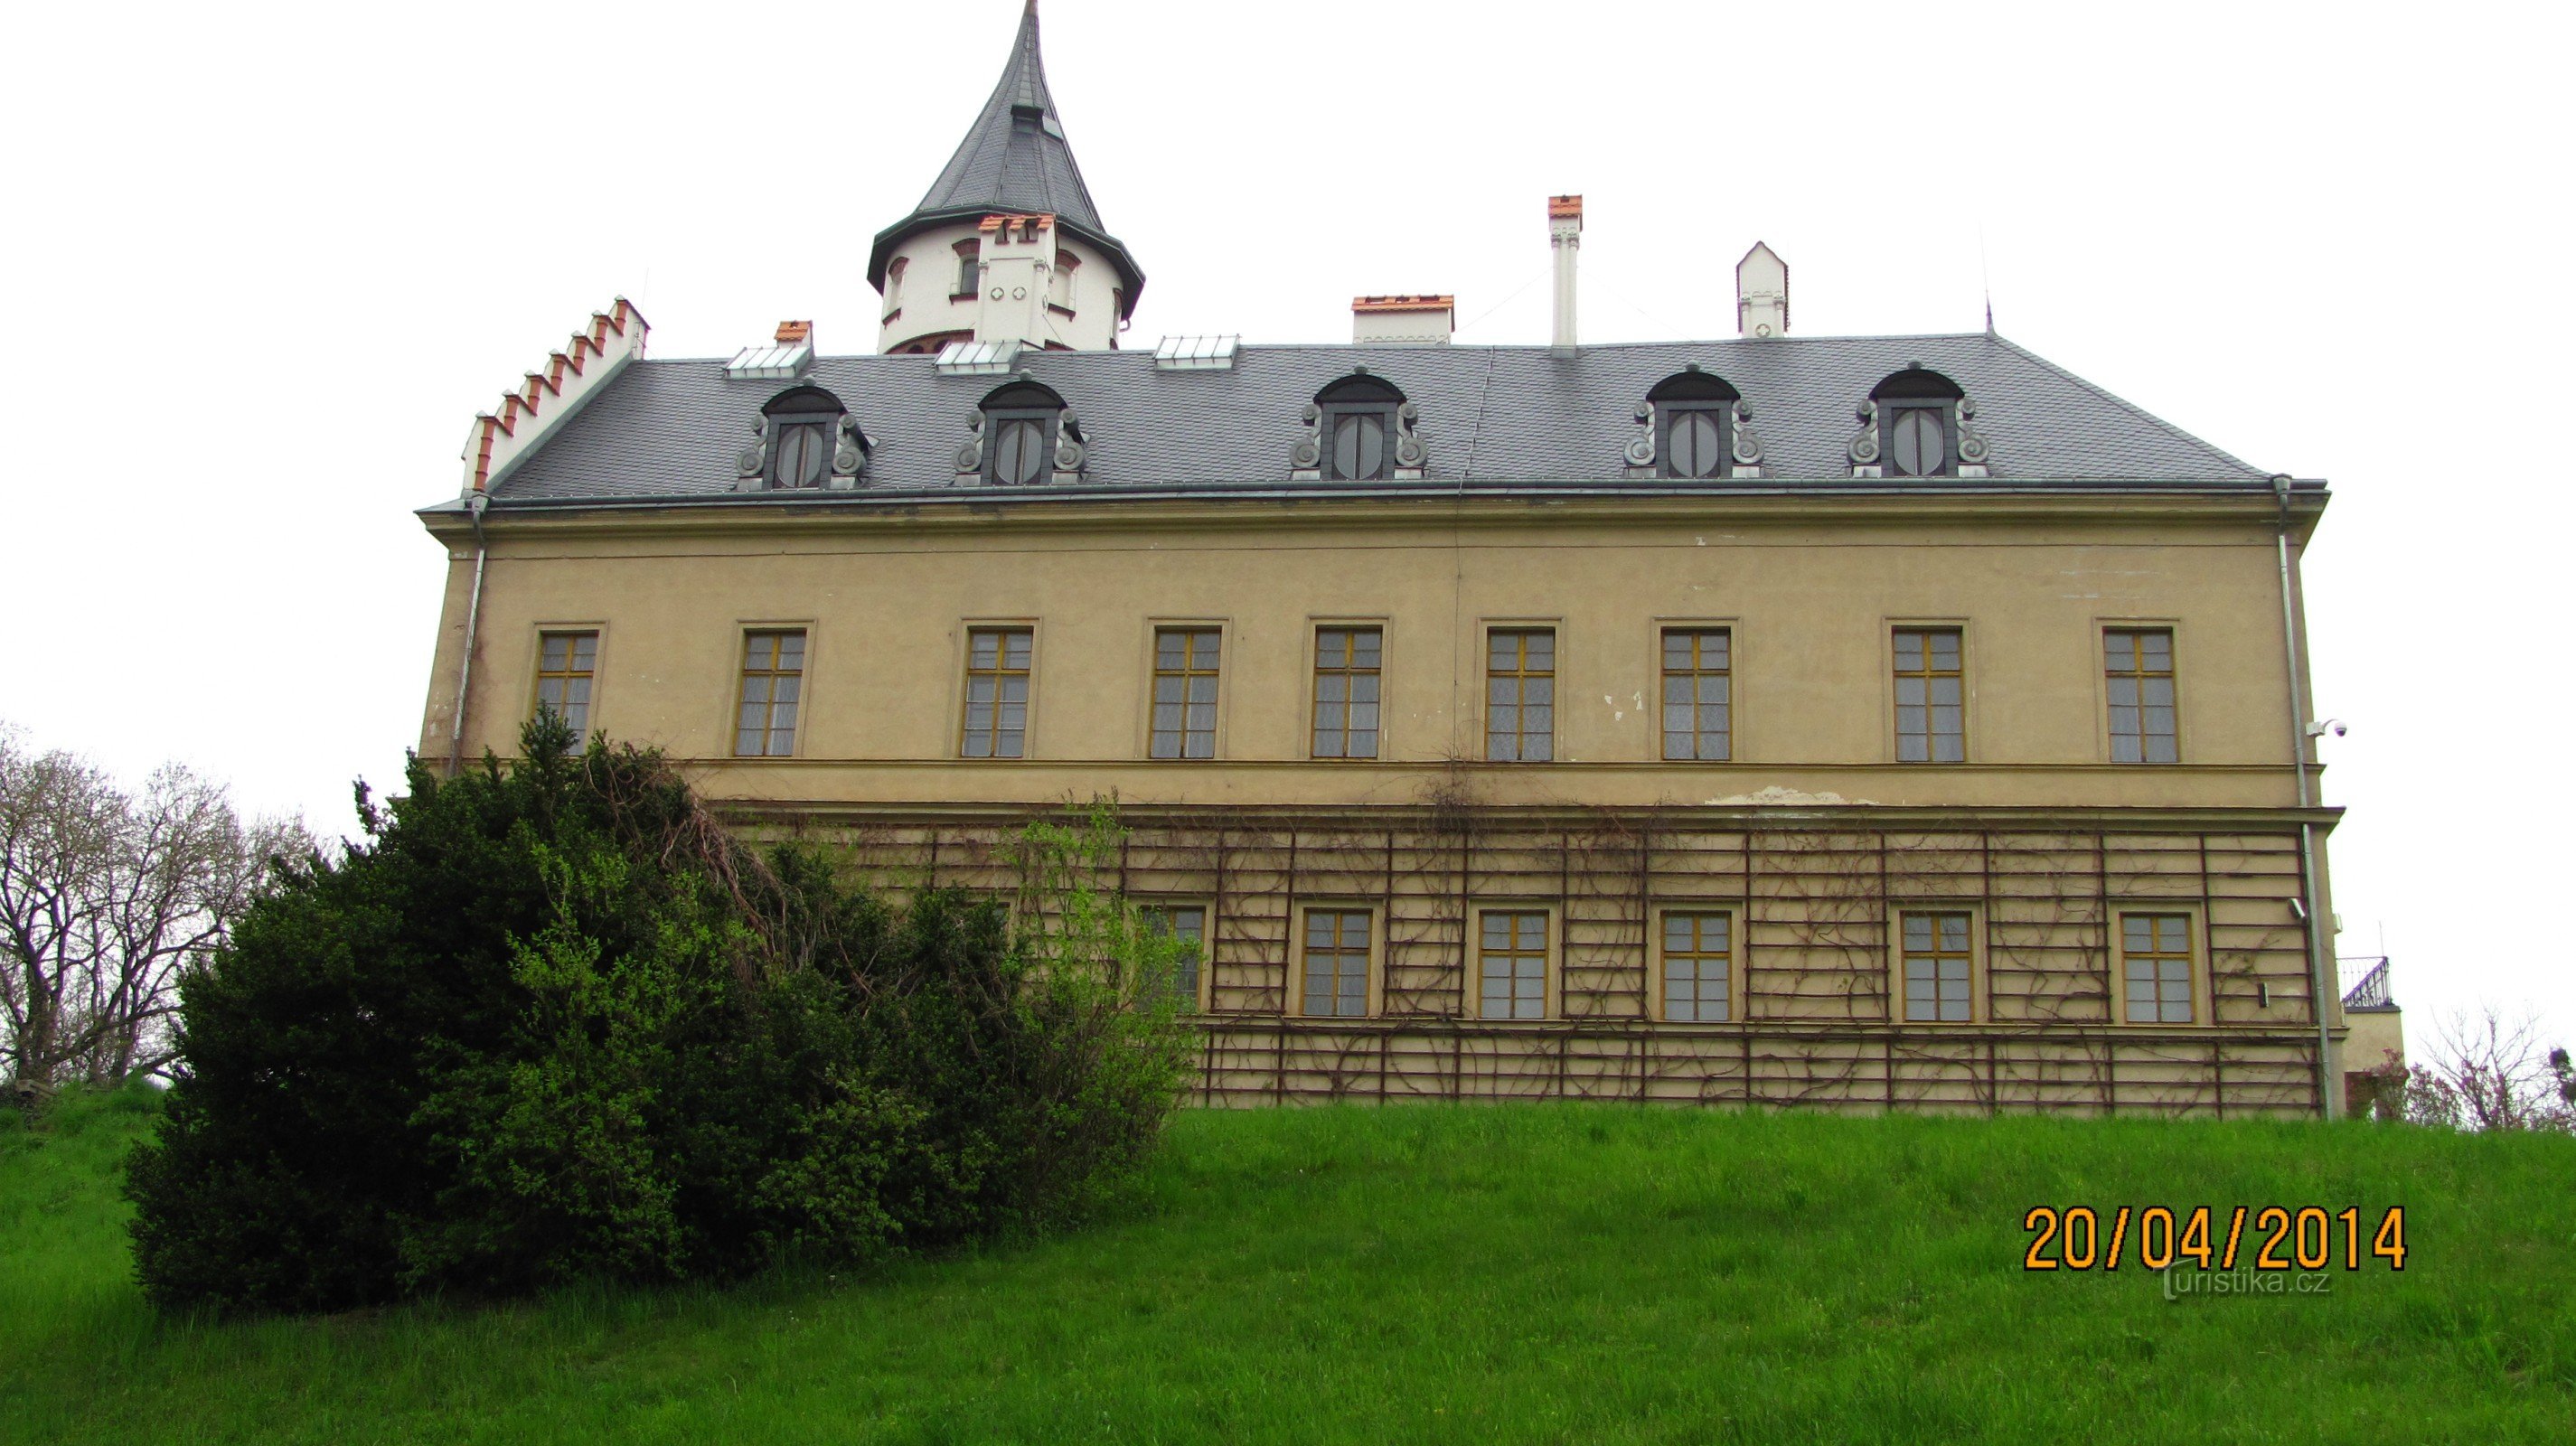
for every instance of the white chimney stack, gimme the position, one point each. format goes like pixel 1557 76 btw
pixel 1403 320
pixel 1564 238
pixel 1762 293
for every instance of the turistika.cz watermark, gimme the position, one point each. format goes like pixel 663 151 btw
pixel 2181 1280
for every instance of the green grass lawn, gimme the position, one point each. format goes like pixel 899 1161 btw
pixel 1425 1274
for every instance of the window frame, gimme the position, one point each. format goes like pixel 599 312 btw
pixel 1330 412
pixel 1550 996
pixel 537 675
pixel 1658 1002
pixel 1663 629
pixel 1485 692
pixel 1967 694
pixel 2195 954
pixel 2103 628
pixel 1316 673
pixel 1945 419
pixel 1162 905
pixel 965 673
pixel 1980 1003
pixel 1155 628
pixel 744 632
pixel 969 283
pixel 1293 1004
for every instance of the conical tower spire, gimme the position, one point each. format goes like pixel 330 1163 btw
pixel 1014 160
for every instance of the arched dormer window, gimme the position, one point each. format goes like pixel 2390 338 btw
pixel 1918 423
pixel 1023 423
pixel 800 423
pixel 1358 429
pixel 1694 425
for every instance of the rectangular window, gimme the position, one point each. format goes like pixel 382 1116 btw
pixel 1185 661
pixel 1520 695
pixel 1699 965
pixel 773 674
pixel 1337 960
pixel 1698 689
pixel 2155 950
pixel 2138 668
pixel 564 669
pixel 997 693
pixel 1511 961
pixel 1187 923
pixel 1930 718
pixel 1937 960
pixel 1346 675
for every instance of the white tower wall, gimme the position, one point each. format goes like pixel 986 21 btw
pixel 924 305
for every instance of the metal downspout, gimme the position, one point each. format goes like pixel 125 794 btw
pixel 465 667
pixel 2311 923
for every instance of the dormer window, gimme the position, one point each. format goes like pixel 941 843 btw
pixel 1358 429
pixel 1694 425
pixel 1918 416
pixel 1021 425
pixel 800 425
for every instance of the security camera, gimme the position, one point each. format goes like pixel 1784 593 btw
pixel 2334 726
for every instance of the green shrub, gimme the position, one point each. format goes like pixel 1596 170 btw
pixel 550 1022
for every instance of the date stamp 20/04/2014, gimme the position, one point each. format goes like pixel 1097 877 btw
pixel 2307 1238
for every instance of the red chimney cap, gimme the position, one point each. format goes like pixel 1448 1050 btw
pixel 792 332
pixel 1564 206
pixel 1403 303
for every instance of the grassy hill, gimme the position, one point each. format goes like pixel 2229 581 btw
pixel 1427 1274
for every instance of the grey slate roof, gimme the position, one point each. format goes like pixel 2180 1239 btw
pixel 1015 159
pixel 1491 416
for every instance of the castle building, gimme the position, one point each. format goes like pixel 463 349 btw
pixel 1864 722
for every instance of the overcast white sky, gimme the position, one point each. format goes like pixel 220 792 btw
pixel 266 262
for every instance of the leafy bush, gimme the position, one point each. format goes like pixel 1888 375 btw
pixel 551 1021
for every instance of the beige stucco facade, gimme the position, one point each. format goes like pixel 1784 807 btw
pixel 1812 836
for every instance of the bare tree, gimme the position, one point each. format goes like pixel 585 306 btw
pixel 107 897
pixel 2488 1072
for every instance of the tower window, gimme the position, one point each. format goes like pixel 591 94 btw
pixel 970 270
pixel 1694 425
pixel 1021 422
pixel 1358 427
pixel 1060 281
pixel 1918 414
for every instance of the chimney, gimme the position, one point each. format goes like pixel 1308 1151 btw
pixel 792 332
pixel 1403 320
pixel 1762 293
pixel 1564 237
